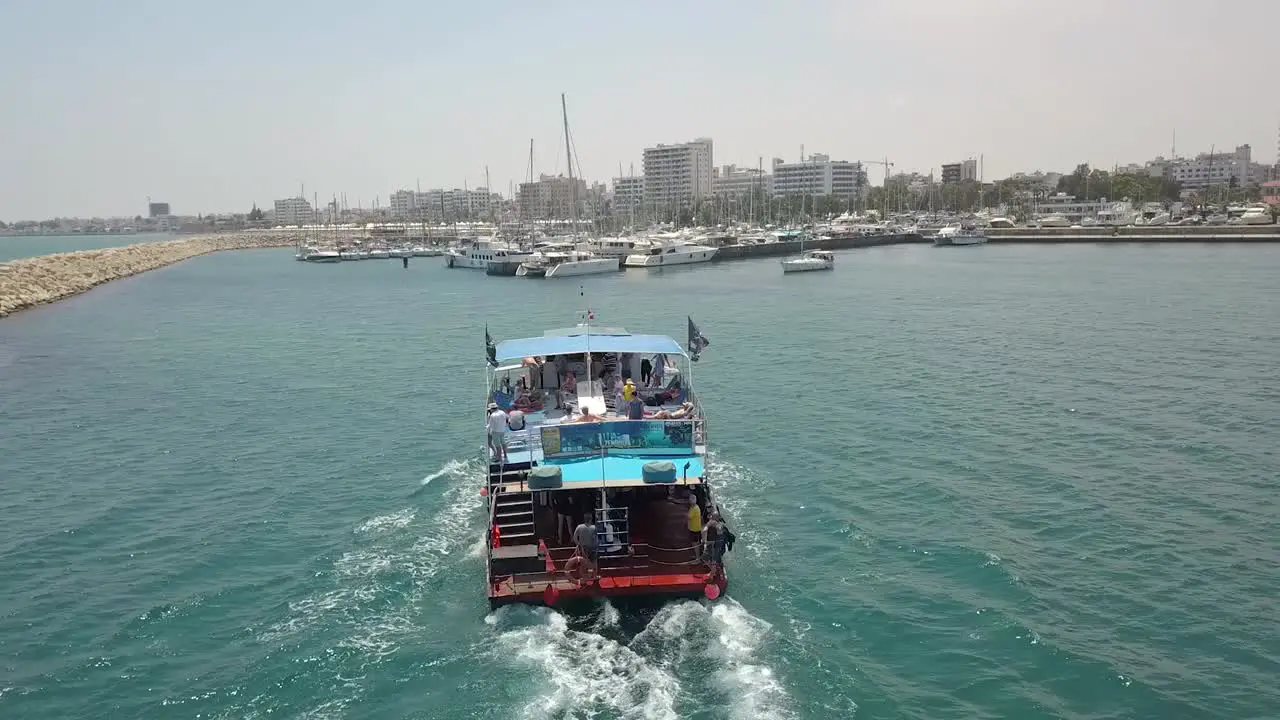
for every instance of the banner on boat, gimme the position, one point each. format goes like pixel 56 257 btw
pixel 657 437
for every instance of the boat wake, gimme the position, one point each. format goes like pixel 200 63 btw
pixel 690 658
pixel 368 603
pixel 451 468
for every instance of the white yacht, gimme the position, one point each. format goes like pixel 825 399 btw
pixel 1000 222
pixel 379 254
pixel 1256 215
pixel 353 254
pixel 619 247
pixel 479 253
pixel 568 263
pixel 810 260
pixel 677 253
pixel 323 256
pixel 1054 220
pixel 956 235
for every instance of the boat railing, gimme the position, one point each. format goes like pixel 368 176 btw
pixel 640 556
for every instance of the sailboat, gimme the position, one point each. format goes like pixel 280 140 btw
pixel 809 260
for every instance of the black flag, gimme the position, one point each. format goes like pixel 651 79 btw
pixel 697 342
pixel 489 350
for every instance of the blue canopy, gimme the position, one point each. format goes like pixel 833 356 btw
pixel 573 344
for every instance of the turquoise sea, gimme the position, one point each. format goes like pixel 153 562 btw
pixel 994 482
pixel 16 247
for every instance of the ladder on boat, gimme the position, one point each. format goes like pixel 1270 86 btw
pixel 613 532
pixel 611 368
pixel 513 517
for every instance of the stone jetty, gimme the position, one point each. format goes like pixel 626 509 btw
pixel 34 281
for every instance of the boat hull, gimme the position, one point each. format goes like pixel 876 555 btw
pixel 668 259
pixel 594 266
pixel 801 266
pixel 673 586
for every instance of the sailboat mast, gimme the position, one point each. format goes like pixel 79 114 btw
pixel 568 151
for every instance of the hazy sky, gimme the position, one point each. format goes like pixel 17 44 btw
pixel 213 106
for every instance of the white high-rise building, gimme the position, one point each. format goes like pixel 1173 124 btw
pixel 1209 169
pixel 733 181
pixel 403 204
pixel 819 175
pixel 678 174
pixel 293 211
pixel 628 193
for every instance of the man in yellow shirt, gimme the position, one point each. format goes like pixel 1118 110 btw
pixel 695 522
pixel 628 390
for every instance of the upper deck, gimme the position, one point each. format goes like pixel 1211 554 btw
pixel 581 424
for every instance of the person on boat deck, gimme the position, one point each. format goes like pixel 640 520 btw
pixel 587 416
pixel 497 429
pixel 635 409
pixel 564 507
pixel 685 410
pixel 659 369
pixel 713 534
pixel 628 390
pixel 515 419
pixel 584 539
pixel 646 369
pixel 695 521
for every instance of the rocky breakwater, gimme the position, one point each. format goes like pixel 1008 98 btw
pixel 34 281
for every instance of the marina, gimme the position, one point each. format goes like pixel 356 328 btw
pixel 633 458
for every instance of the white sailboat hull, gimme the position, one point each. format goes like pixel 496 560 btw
pixel 806 265
pixel 593 266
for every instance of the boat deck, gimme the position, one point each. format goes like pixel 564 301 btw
pixel 664 560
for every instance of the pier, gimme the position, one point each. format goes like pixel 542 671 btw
pixel 44 279
pixel 1136 234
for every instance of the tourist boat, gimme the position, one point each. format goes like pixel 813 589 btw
pixel 671 253
pixel 637 477
pixel 810 260
pixel 956 235
pixel 478 254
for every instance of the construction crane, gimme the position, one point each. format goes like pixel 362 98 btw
pixel 887 165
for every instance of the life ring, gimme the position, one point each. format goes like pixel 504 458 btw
pixel 575 569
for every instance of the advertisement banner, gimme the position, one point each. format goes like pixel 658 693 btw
pixel 657 437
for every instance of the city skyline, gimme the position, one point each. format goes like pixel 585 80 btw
pixel 214 109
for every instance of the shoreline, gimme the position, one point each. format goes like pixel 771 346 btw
pixel 44 279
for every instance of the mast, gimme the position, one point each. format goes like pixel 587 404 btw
pixel 568 151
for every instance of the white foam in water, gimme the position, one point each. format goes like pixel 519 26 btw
pixel 584 673
pixel 363 574
pixel 453 467
pixel 752 689
pixel 387 522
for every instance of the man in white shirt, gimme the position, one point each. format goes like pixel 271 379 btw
pixel 497 428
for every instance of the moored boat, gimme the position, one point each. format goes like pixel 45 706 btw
pixel 810 260
pixel 672 253
pixel 578 453
pixel 956 235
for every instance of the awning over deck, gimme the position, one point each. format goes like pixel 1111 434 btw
pixel 575 344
